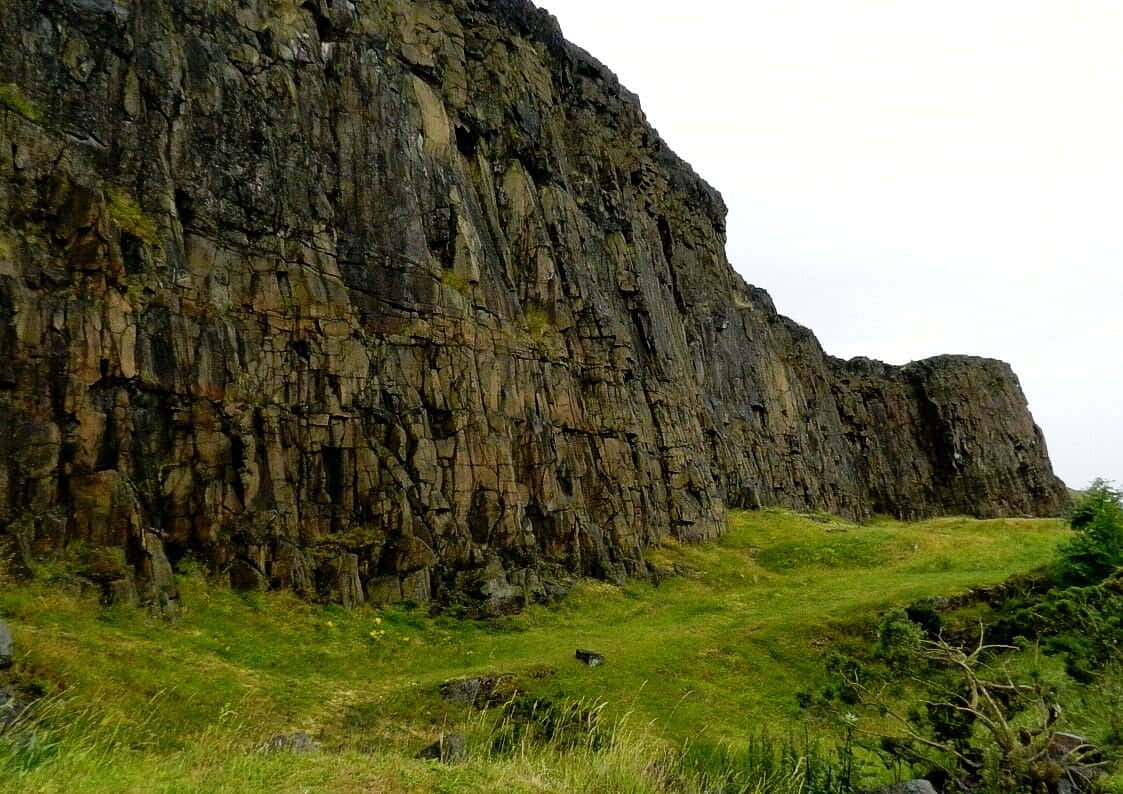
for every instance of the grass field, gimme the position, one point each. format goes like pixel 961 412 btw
pixel 709 657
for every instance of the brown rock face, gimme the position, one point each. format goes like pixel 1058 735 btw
pixel 390 298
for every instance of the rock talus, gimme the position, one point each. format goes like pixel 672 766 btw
pixel 396 299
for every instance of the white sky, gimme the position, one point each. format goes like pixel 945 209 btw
pixel 911 178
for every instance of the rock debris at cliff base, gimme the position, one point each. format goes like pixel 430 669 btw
pixel 402 300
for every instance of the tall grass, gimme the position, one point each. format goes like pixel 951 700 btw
pixel 573 739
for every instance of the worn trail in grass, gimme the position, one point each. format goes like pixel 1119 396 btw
pixel 708 655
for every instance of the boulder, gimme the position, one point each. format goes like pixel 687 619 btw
pixel 591 658
pixel 247 577
pixel 1075 755
pixel 297 742
pixel 121 591
pixel 157 580
pixel 480 691
pixel 13 704
pixel 448 749
pixel 384 590
pixel 1063 744
pixel 405 555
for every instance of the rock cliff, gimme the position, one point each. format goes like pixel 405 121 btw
pixel 404 299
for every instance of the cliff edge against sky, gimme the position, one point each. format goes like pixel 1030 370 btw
pixel 391 299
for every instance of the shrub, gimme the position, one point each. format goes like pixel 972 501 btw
pixel 1097 549
pixel 899 638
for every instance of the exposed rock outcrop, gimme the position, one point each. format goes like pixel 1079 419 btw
pixel 395 298
pixel 5 646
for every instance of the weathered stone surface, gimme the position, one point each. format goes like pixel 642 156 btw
pixel 1062 745
pixel 908 787
pixel 5 645
pixel 448 749
pixel 414 286
pixel 298 742
pixel 479 691
pixel 121 591
pixel 591 658
pixel 346 586
pixel 13 705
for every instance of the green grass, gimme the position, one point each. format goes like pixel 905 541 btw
pixel 706 658
pixel 14 99
pixel 456 282
pixel 537 323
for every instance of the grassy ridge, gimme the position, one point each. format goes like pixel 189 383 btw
pixel 708 656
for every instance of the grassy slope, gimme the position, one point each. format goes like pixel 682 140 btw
pixel 707 656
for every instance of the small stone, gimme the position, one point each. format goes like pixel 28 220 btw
pixel 5 645
pixel 591 658
pixel 448 749
pixel 298 742
pixel 908 787
pixel 1063 744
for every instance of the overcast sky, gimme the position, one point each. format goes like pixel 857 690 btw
pixel 910 178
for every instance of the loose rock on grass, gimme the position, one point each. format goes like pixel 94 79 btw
pixel 298 742
pixel 480 691
pixel 591 658
pixel 448 749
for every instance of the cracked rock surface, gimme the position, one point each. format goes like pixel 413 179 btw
pixel 396 299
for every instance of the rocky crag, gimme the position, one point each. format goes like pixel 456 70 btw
pixel 396 299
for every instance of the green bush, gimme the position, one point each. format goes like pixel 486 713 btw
pixel 1097 549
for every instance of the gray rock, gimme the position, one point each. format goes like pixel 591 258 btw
pixel 1063 744
pixel 12 706
pixel 479 691
pixel 1075 754
pixel 448 749
pixel 908 787
pixel 297 742
pixel 5 645
pixel 591 658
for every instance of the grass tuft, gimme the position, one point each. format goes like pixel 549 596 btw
pixel 537 323
pixel 127 214
pixel 456 282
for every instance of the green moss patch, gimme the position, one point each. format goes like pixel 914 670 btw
pixel 14 99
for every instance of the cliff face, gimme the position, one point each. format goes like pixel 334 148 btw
pixel 389 299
